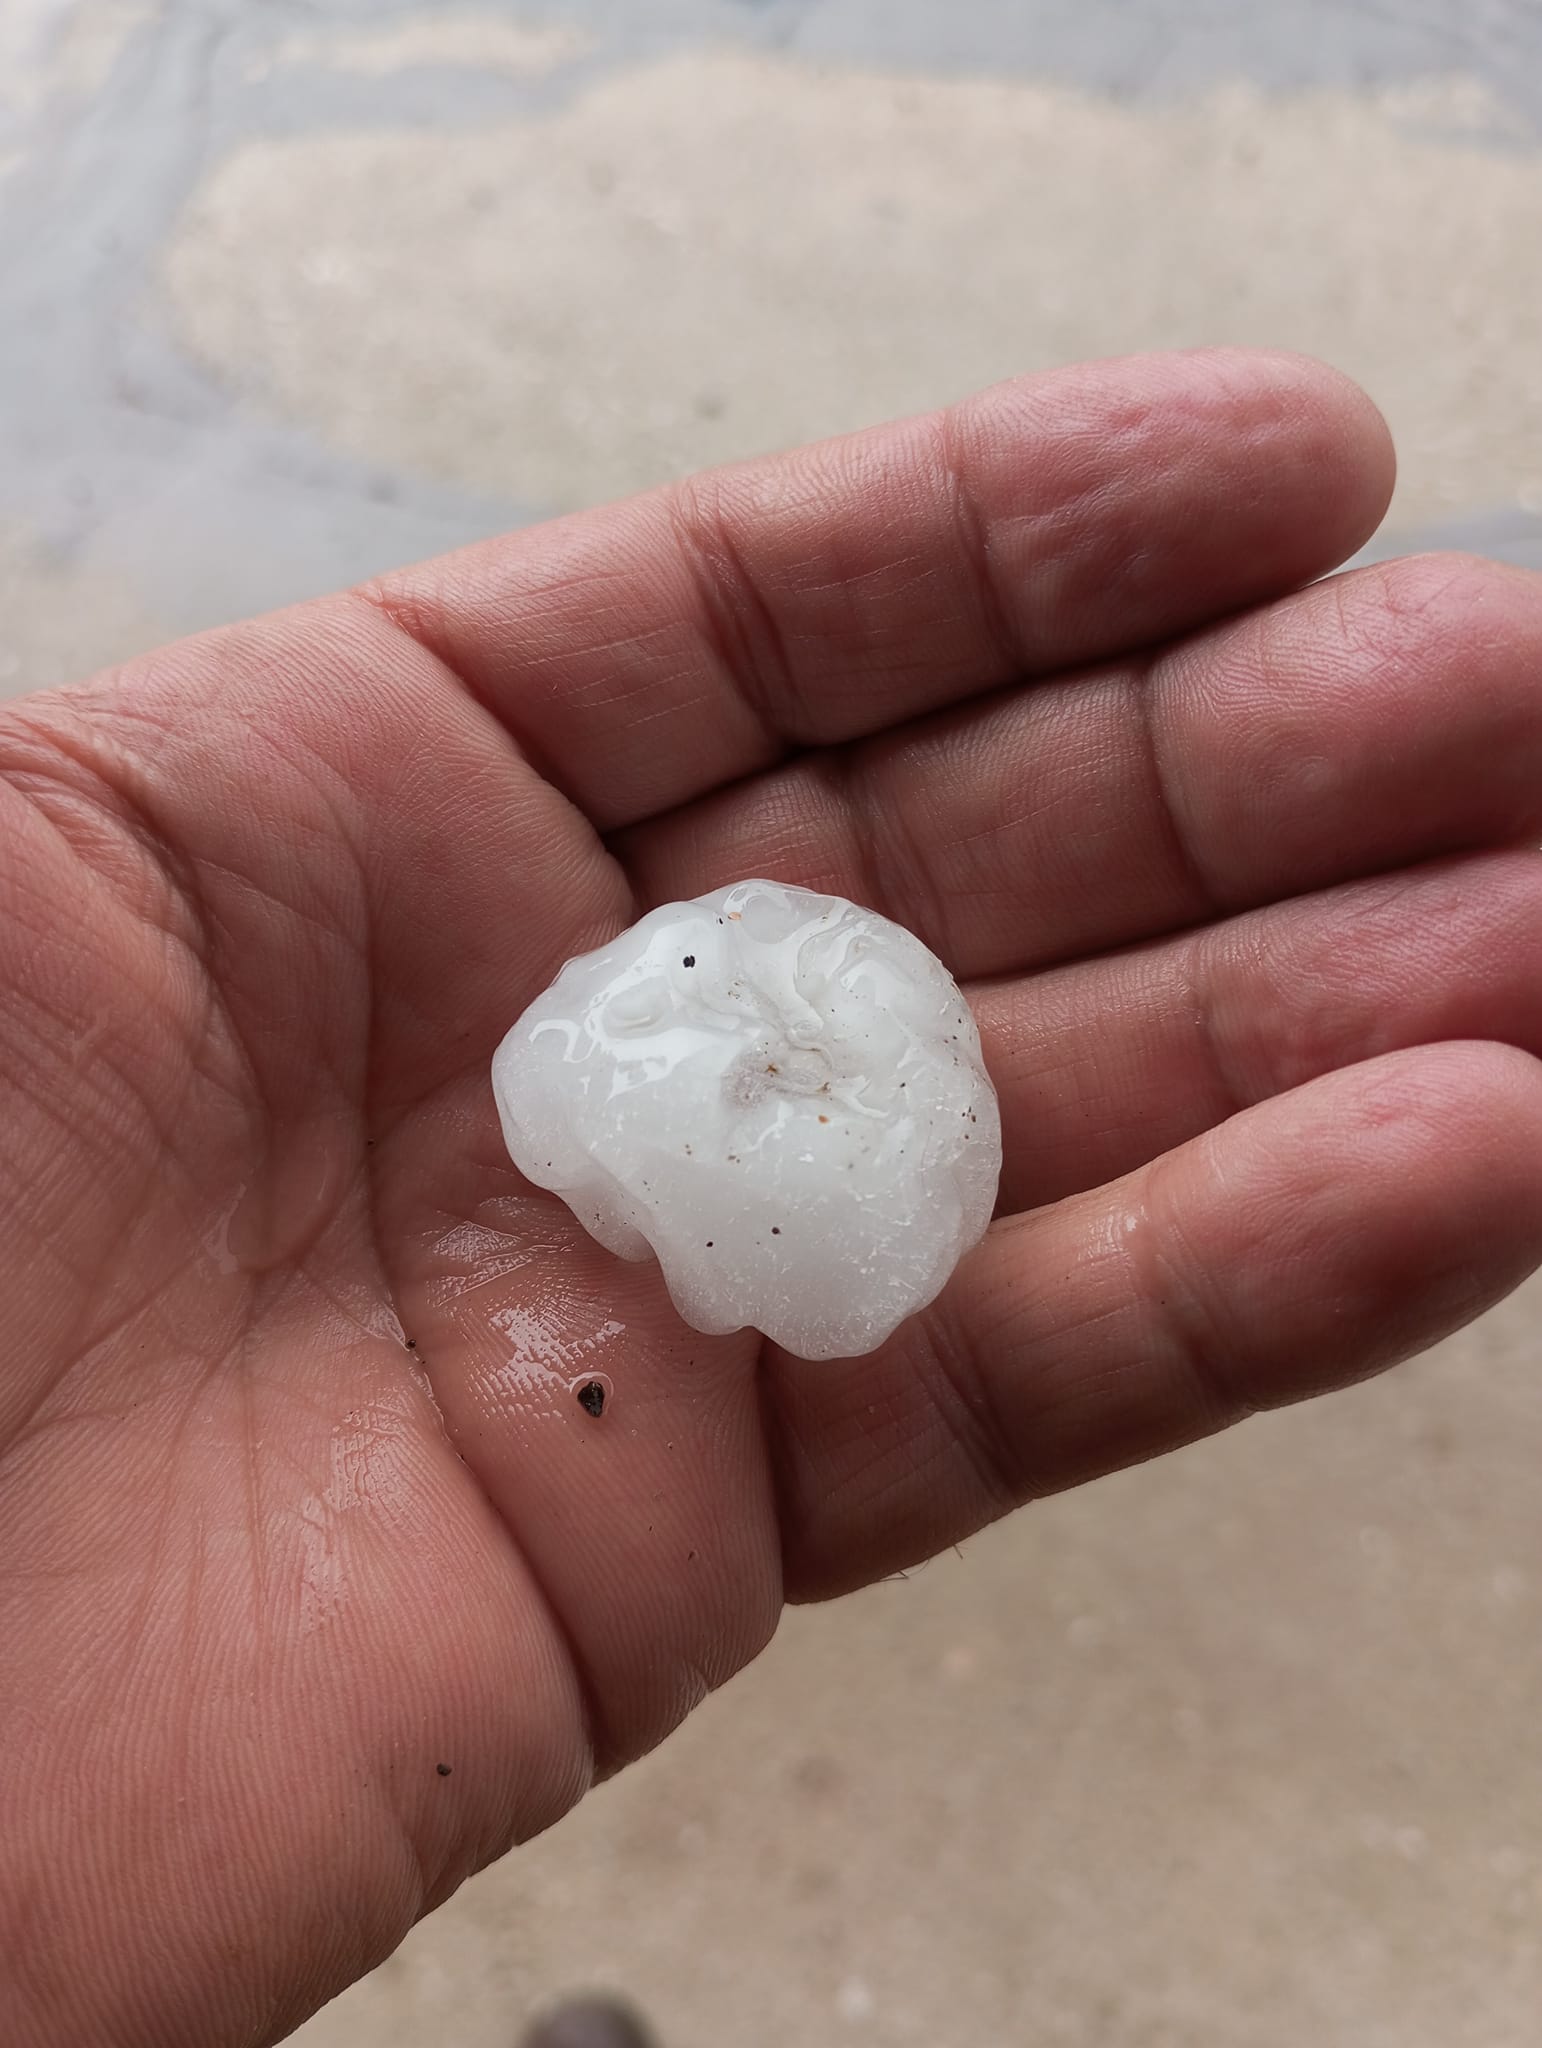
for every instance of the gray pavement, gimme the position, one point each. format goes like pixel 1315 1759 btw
pixel 1240 1749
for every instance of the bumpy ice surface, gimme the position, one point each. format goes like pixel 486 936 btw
pixel 778 1095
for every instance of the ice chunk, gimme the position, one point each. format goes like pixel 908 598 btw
pixel 778 1095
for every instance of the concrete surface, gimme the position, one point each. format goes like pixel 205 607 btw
pixel 1241 1749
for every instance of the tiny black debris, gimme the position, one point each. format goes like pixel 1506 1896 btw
pixel 443 1770
pixel 412 1343
pixel 689 960
pixel 776 1230
pixel 591 1397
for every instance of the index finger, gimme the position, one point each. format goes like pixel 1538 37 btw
pixel 650 651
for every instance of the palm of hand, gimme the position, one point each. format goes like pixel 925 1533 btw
pixel 317 1585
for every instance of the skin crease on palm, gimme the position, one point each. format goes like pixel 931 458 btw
pixel 296 1503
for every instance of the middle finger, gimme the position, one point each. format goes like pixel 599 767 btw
pixel 1385 716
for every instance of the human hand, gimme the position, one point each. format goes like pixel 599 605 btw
pixel 318 1588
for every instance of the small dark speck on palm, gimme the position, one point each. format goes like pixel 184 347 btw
pixel 591 1398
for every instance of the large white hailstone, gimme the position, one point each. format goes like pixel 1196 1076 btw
pixel 779 1096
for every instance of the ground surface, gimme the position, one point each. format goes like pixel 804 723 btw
pixel 1242 1749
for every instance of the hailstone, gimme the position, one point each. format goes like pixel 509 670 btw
pixel 778 1095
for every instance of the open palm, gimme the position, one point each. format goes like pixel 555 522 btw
pixel 318 1586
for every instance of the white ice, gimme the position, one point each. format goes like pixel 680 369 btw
pixel 779 1096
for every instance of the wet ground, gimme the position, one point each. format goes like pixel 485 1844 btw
pixel 1243 1748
